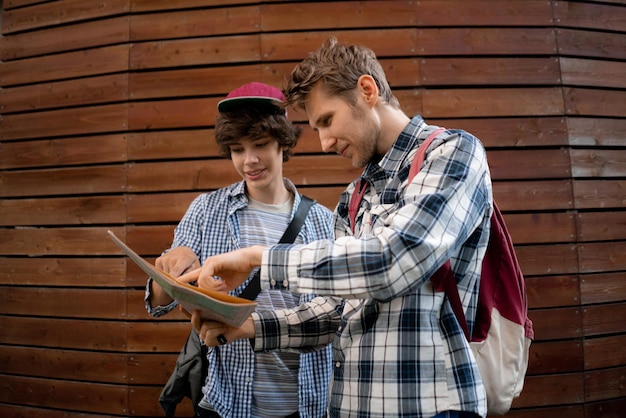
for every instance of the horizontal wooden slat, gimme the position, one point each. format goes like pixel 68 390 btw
pixel 539 228
pixel 605 352
pixel 88 366
pixel 602 257
pixel 473 102
pixel 57 13
pixel 286 17
pixel 194 81
pixel 63 211
pixel 194 51
pixel 491 71
pixel 596 131
pixel 552 291
pixel 598 163
pixel 612 408
pixel 555 357
pixel 137 279
pixel 100 335
pixel 12 4
pixel 20 411
pixel 172 114
pixel 64 394
pixel 596 44
pixel 528 164
pixel 84 91
pixel 63 122
pixel 64 181
pixel 65 333
pixel 426 41
pixel 552 389
pixel 512 132
pixel 64 303
pixel 195 23
pixel 149 240
pixel 533 195
pixel 485 13
pixel 594 102
pixel 67 38
pixel 605 384
pixel 601 226
pixel 62 152
pixel 160 145
pixel 557 323
pixel 143 400
pixel 141 336
pixel 160 207
pixel 293 46
pixel 589 15
pixel 160 5
pixel 65 66
pixel 602 288
pixel 592 73
pixel 72 241
pixel 91 272
pixel 575 411
pixel 604 319
pixel 487 41
pixel 599 193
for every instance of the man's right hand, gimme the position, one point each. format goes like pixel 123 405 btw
pixel 233 268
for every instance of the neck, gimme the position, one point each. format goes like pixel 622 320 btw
pixel 393 122
pixel 273 194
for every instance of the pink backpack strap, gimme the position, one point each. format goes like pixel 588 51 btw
pixel 420 156
pixel 443 279
pixel 361 185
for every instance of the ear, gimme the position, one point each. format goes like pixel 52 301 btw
pixel 368 89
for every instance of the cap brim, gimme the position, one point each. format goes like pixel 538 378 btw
pixel 235 103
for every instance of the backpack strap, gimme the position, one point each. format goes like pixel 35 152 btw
pixel 443 279
pixel 361 185
pixel 254 286
pixel 420 156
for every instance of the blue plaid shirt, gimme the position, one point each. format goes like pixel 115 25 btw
pixel 398 350
pixel 211 226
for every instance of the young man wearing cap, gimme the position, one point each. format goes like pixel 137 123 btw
pixel 399 351
pixel 252 130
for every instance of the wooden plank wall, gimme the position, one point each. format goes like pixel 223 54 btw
pixel 107 111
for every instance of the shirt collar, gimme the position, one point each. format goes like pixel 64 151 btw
pixel 395 158
pixel 239 199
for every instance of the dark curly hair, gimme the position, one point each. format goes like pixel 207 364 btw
pixel 255 122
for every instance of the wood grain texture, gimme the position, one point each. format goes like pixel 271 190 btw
pixel 107 116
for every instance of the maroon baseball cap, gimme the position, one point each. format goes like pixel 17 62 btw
pixel 255 94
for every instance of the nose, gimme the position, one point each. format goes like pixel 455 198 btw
pixel 251 157
pixel 327 141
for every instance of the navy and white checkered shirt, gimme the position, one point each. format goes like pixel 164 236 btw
pixel 399 350
pixel 212 225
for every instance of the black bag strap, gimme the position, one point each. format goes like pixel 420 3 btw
pixel 254 286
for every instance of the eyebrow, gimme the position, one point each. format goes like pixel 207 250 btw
pixel 319 119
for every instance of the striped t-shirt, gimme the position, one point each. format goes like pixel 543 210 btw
pixel 276 373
